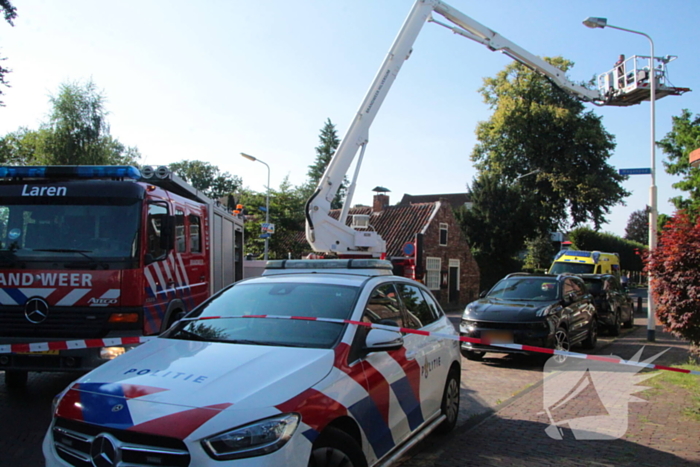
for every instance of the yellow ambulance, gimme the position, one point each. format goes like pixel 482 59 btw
pixel 586 262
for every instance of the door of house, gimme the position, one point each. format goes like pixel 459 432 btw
pixel 453 291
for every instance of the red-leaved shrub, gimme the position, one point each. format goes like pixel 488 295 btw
pixel 675 269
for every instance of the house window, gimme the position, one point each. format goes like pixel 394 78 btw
pixel 443 234
pixel 432 273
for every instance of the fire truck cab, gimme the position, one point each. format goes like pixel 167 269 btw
pixel 96 252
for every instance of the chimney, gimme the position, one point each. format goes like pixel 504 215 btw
pixel 381 199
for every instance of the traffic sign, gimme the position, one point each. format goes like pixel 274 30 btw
pixel 643 171
pixel 265 235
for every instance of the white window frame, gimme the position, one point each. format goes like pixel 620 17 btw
pixel 433 266
pixel 443 226
pixel 454 263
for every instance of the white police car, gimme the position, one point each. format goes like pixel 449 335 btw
pixel 237 382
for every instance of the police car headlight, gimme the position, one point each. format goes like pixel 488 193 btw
pixel 256 439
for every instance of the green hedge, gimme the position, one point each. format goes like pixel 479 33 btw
pixel 587 239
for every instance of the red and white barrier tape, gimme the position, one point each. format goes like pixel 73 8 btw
pixel 71 345
pixel 89 343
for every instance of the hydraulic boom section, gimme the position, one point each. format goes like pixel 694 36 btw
pixel 329 235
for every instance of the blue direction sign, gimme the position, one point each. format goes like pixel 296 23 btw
pixel 644 171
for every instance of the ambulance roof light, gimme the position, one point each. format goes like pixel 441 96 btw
pixel 70 171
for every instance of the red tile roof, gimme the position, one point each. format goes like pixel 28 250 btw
pixel 396 224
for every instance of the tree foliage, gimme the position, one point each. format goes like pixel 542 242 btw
pixel 540 253
pixel 77 133
pixel 10 13
pixel 496 226
pixel 587 239
pixel 324 153
pixel 637 228
pixel 286 212
pixel 207 178
pixel 536 126
pixel 673 266
pixel 683 138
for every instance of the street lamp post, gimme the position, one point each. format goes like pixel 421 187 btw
pixel 267 199
pixel 651 307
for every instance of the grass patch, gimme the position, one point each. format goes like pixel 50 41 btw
pixel 691 383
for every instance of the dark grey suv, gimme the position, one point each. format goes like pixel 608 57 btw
pixel 542 310
pixel 614 307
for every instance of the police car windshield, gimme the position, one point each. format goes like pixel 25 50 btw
pixel 103 228
pixel 525 288
pixel 311 300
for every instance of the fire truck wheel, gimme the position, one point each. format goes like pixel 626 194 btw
pixel 15 379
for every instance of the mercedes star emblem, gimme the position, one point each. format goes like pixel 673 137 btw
pixel 36 310
pixel 105 451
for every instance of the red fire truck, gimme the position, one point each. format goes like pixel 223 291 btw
pixel 95 252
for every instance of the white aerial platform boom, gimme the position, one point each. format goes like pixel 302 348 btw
pixel 329 235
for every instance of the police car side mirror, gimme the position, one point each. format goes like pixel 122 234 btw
pixel 383 340
pixel 483 293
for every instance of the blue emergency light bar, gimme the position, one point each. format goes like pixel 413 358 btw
pixel 71 171
pixel 356 263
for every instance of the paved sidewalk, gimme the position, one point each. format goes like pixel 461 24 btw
pixel 655 432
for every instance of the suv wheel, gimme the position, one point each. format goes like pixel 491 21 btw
pixel 630 322
pixel 592 337
pixel 614 328
pixel 561 340
pixel 335 448
pixel 450 403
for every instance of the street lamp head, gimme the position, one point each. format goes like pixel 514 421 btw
pixel 249 157
pixel 592 22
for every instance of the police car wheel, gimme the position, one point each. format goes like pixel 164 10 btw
pixel 15 379
pixel 335 448
pixel 450 403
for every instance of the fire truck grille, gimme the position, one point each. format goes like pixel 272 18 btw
pixel 60 322
pixel 77 443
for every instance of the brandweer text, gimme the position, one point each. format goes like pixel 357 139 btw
pixel 47 279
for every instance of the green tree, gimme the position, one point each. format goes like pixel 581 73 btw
pixel 10 13
pixel 637 228
pixel 22 147
pixel 683 138
pixel 496 226
pixel 535 126
pixel 286 212
pixel 207 178
pixel 78 133
pixel 324 153
pixel 540 253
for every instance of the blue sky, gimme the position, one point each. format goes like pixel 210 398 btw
pixel 207 80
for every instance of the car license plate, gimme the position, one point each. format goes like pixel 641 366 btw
pixel 499 337
pixel 39 352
